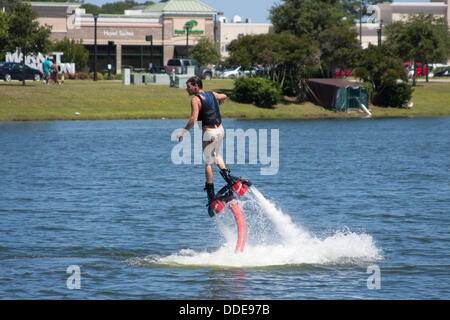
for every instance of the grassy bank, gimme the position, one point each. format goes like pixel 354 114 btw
pixel 86 100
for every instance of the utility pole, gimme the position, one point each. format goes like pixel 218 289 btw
pixel 95 45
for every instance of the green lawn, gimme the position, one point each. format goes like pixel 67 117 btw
pixel 86 100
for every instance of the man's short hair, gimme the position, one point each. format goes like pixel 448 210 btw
pixel 195 81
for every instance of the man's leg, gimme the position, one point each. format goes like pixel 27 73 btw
pixel 220 163
pixel 209 188
pixel 211 146
pixel 209 173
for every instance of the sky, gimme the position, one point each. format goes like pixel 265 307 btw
pixel 257 10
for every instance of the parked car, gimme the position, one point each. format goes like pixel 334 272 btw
pixel 443 73
pixel 179 65
pixel 13 71
pixel 421 70
pixel 158 69
pixel 232 73
pixel 257 71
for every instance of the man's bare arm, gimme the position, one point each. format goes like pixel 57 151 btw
pixel 195 107
pixel 220 97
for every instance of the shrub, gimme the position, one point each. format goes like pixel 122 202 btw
pixel 99 75
pixel 261 91
pixel 268 94
pixel 81 75
pixel 244 89
pixel 393 95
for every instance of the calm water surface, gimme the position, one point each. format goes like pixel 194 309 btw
pixel 349 195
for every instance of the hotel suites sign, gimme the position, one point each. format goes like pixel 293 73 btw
pixel 118 33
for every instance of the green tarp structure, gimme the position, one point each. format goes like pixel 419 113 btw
pixel 335 94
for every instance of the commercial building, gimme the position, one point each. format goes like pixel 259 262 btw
pixel 227 31
pixel 124 39
pixel 386 13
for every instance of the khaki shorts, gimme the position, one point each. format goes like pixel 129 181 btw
pixel 212 143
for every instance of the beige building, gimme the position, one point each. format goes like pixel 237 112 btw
pixel 227 31
pixel 122 39
pixel 397 11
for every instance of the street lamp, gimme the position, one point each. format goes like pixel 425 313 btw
pixel 150 39
pixel 360 22
pixel 216 27
pixel 380 32
pixel 110 44
pixel 188 27
pixel 95 45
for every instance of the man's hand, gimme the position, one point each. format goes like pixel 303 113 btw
pixel 220 97
pixel 180 135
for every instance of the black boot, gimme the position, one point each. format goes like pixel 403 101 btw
pixel 225 173
pixel 209 187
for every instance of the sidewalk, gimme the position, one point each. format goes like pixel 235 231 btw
pixel 431 80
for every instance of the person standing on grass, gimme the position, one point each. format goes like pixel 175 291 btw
pixel 54 72
pixel 46 70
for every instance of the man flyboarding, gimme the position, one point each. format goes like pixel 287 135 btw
pixel 205 108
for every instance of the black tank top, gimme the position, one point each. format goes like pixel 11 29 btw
pixel 209 114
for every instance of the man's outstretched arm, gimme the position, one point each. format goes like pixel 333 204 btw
pixel 195 107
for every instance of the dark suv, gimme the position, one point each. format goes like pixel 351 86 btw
pixel 203 72
pixel 13 71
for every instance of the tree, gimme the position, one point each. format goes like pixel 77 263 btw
pixel 242 52
pixel 4 26
pixel 205 52
pixel 382 70
pixel 114 7
pixel 73 50
pixel 327 22
pixel 309 17
pixel 91 8
pixel 422 38
pixel 285 56
pixel 339 48
pixel 25 33
pixel 378 66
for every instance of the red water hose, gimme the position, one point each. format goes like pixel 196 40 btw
pixel 241 229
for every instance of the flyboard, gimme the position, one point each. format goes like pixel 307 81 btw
pixel 226 197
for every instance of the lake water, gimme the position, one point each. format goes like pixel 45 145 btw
pixel 358 209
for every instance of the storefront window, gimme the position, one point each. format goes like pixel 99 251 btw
pixel 102 58
pixel 138 57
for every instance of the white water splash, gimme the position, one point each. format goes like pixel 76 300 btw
pixel 274 240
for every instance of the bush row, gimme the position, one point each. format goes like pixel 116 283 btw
pixel 85 76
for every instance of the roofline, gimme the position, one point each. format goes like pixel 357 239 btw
pixel 55 4
pixel 161 8
pixel 186 14
pixel 417 3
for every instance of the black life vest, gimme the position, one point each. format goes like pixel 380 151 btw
pixel 209 114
